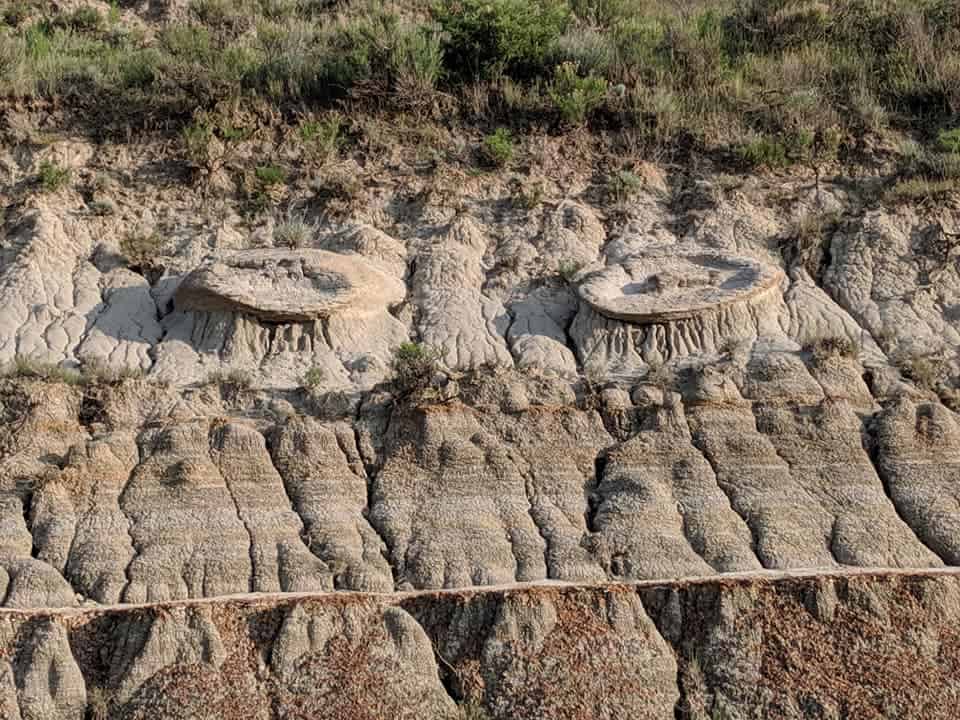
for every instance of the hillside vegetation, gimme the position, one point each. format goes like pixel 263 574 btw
pixel 769 82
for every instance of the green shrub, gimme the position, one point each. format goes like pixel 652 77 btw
pixel 413 365
pixel 53 177
pixel 197 139
pixel 231 383
pixel 918 190
pixel 949 141
pixel 24 367
pixel 526 195
pixel 929 371
pixel 85 19
pixel 16 13
pixel 314 378
pixel 270 175
pixel 498 147
pixel 763 151
pixel 591 50
pixel 322 138
pixel 574 96
pixel 568 270
pixel 623 185
pixel 416 61
pixel 488 37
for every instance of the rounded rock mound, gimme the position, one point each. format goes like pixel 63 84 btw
pixel 662 285
pixel 277 285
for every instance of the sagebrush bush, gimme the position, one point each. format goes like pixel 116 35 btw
pixel 763 151
pixel 314 378
pixel 949 141
pixel 197 142
pixel 26 367
pixel 623 185
pixel 141 249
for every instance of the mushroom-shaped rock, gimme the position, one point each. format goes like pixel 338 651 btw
pixel 671 302
pixel 287 285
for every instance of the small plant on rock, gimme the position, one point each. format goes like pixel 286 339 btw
pixel 928 371
pixel 232 383
pixel 949 141
pixel 824 349
pixel 53 177
pixel 623 185
pixel 141 249
pixel 25 367
pixel 498 148
pixel 322 138
pixel 314 378
pixel 414 365
pixel 197 142
pixel 568 270
pixel 294 231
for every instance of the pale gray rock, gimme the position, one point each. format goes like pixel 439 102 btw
pixel 918 448
pixel 59 308
pixel 789 526
pixel 280 560
pixel 454 315
pixel 185 528
pixel 369 242
pixel 47 289
pixel 125 326
pixel 820 439
pixel 672 302
pixel 667 284
pixel 451 505
pixel 661 512
pixel 537 335
pixel 77 523
pixel 327 484
pixel 572 235
pixel 287 285
pixel 277 314
pixel 49 684
pixel 895 272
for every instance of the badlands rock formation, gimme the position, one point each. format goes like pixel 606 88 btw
pixel 792 648
pixel 253 519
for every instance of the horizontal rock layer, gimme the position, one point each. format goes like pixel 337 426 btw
pixel 745 646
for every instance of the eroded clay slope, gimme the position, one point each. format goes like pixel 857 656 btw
pixel 746 646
